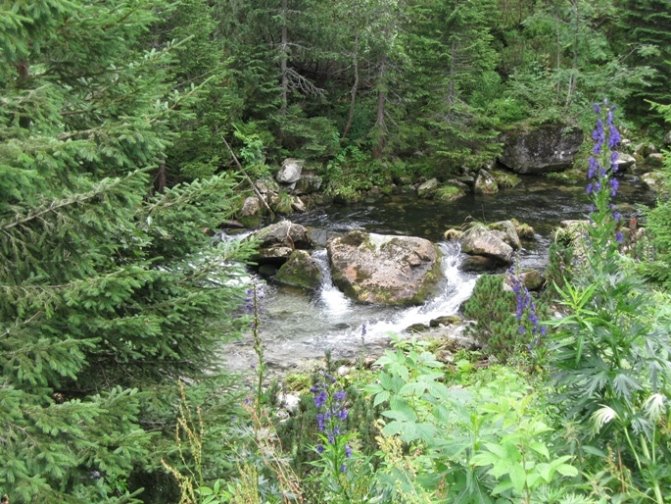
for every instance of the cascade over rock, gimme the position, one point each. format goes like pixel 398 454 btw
pixel 550 147
pixel 385 269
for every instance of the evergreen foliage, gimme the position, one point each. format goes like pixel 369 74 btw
pixel 493 311
pixel 114 178
pixel 645 28
pixel 107 290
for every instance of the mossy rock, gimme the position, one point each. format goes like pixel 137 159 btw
pixel 533 280
pixel 384 269
pixel 449 192
pixel 505 179
pixel 524 230
pixel 572 176
pixel 446 320
pixel 453 234
pixel 281 203
pixel 300 270
pixel 417 328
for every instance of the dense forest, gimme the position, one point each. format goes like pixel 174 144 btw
pixel 131 130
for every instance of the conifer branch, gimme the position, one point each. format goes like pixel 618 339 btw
pixel 102 187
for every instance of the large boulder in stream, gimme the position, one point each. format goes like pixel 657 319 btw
pixel 488 243
pixel 550 147
pixel 385 269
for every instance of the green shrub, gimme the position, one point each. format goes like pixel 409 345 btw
pixel 493 311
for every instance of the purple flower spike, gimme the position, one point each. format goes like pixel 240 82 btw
pixel 320 399
pixel 619 237
pixel 348 451
pixel 593 167
pixel 614 185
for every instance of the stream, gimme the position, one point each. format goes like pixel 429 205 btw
pixel 298 327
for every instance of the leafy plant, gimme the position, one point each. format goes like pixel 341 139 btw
pixel 611 359
pixel 476 444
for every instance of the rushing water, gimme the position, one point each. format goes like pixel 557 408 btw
pixel 296 326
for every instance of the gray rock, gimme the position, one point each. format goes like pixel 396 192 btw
pixel 285 233
pixel 654 180
pixel 509 231
pixel 428 188
pixel 267 185
pixel 654 160
pixel 486 183
pixel 290 172
pixel 251 207
pixel 533 280
pixel 308 183
pixel 481 241
pixel 318 236
pixel 300 270
pixel 289 401
pixel 625 161
pixel 479 264
pixel 273 255
pixel 385 269
pixel 446 320
pixel 643 150
pixel 550 147
pixel 298 205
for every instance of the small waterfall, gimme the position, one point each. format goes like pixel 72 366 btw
pixel 455 288
pixel 333 301
pixel 296 326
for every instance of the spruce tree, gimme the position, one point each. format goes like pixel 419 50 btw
pixel 108 291
pixel 450 46
pixel 646 30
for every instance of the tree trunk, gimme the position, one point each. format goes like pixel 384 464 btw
pixel 284 57
pixel 161 179
pixel 23 69
pixel 355 88
pixel 573 76
pixel 380 124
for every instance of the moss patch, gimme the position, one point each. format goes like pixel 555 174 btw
pixel 506 180
pixel 449 192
